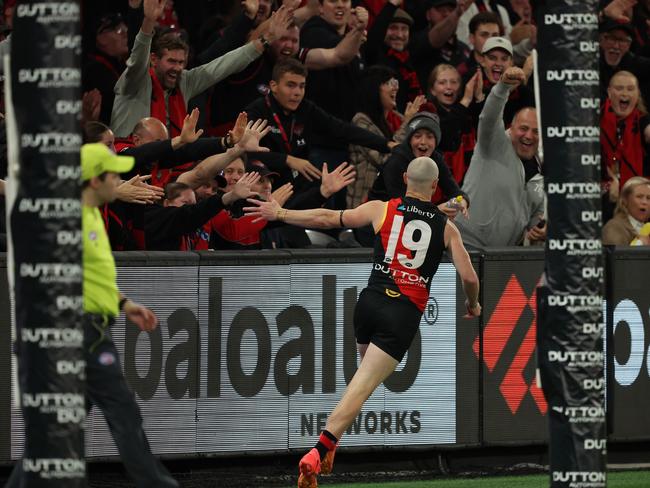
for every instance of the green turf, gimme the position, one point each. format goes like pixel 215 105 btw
pixel 627 479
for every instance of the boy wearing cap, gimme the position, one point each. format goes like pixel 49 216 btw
pixel 497 58
pixel 388 41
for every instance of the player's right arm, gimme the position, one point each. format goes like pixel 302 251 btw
pixel 369 213
pixel 463 264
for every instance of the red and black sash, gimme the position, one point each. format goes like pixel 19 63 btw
pixel 622 145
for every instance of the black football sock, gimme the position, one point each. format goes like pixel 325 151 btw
pixel 326 442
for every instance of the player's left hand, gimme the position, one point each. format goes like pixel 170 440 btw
pixel 472 312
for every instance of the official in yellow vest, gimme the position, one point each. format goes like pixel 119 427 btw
pixel 106 386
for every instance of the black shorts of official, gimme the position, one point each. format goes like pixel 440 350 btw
pixel 389 323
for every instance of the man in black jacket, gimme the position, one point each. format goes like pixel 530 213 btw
pixel 387 44
pixel 295 122
pixel 240 89
pixel 438 43
pixel 333 89
pixel 127 222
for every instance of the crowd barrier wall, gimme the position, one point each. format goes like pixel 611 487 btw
pixel 254 349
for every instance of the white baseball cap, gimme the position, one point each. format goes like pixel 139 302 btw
pixel 497 43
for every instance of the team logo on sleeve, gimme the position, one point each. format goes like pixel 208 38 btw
pixel 392 293
pixel 106 358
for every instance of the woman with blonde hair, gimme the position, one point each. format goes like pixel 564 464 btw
pixel 629 225
pixel 624 137
pixel 451 101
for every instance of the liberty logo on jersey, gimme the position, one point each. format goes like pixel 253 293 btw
pixel 497 333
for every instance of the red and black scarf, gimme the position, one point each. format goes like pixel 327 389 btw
pixel 621 142
pixel 394 121
pixel 177 110
pixel 407 74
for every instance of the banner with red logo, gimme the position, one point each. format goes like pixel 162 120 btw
pixel 513 404
pixel 570 318
pixel 44 136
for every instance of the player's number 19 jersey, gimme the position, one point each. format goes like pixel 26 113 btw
pixel 408 249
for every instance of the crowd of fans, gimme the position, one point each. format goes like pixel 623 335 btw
pixel 327 101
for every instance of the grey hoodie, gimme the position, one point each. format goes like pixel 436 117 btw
pixel 495 182
pixel 133 88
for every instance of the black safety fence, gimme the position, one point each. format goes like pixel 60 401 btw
pixel 254 349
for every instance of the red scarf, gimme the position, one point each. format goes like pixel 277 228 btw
pixel 626 151
pixel 408 76
pixel 401 56
pixel 394 121
pixel 177 113
pixel 177 110
pixel 123 143
pixel 458 160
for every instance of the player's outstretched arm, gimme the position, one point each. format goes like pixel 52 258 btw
pixel 321 218
pixel 463 264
